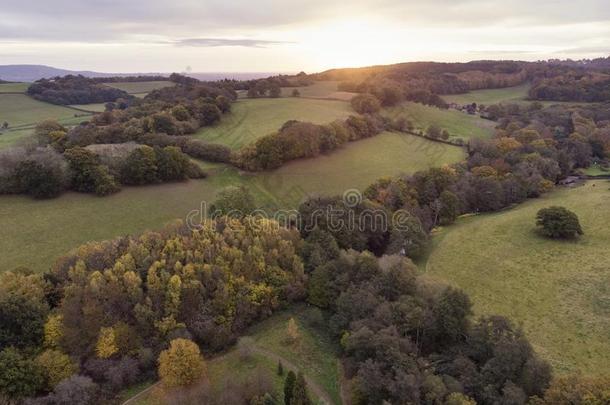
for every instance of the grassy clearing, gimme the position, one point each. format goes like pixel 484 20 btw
pixel 251 119
pixel 315 354
pixel 596 170
pixel 356 165
pixel 459 124
pixel 325 89
pixel 515 94
pixel 140 87
pixel 22 111
pixel 558 291
pixel 14 87
pixel 12 138
pixel 98 107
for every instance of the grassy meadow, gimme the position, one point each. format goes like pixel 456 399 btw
pixel 140 88
pixel 94 108
pixel 13 87
pixel 321 89
pixel 515 94
pixel 20 111
pixel 459 124
pixel 355 165
pixel 23 113
pixel 253 118
pixel 559 291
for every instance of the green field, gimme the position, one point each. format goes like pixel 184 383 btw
pixel 251 119
pixel 325 89
pixel 516 94
pixel 98 107
pixel 355 165
pixel 315 354
pixel 459 124
pixel 50 228
pixel 12 138
pixel 23 113
pixel 14 87
pixel 140 87
pixel 558 291
pixel 596 170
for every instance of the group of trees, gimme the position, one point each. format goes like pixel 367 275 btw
pixel 46 173
pixel 297 140
pixel 72 89
pixel 564 82
pixel 52 164
pixel 101 318
pixel 406 340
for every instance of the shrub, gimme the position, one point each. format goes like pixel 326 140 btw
pixel 140 167
pixel 366 104
pixel 37 180
pixel 558 223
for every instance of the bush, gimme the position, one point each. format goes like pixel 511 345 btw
pixel 366 104
pixel 140 167
pixel 88 175
pixel 558 223
pixel 34 179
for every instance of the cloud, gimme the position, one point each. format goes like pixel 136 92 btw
pixel 214 42
pixel 605 50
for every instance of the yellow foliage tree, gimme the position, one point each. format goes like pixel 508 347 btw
pixel 293 331
pixel 53 330
pixel 106 343
pixel 182 364
pixel 55 366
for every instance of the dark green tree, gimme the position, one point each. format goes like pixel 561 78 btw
pixel 233 201
pixel 19 376
pixel 280 368
pixel 300 396
pixel 289 384
pixel 37 180
pixel 558 223
pixel 22 322
pixel 140 167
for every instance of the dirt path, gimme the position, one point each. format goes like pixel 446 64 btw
pixel 313 386
pixel 141 394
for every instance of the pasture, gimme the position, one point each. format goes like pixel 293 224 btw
pixel 23 113
pixel 459 124
pixel 13 87
pixel 139 89
pixel 559 291
pixel 320 89
pixel 515 94
pixel 253 118
pixel 94 108
pixel 355 165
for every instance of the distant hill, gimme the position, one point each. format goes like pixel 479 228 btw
pixel 31 73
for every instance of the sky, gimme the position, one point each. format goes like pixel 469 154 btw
pixel 293 35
